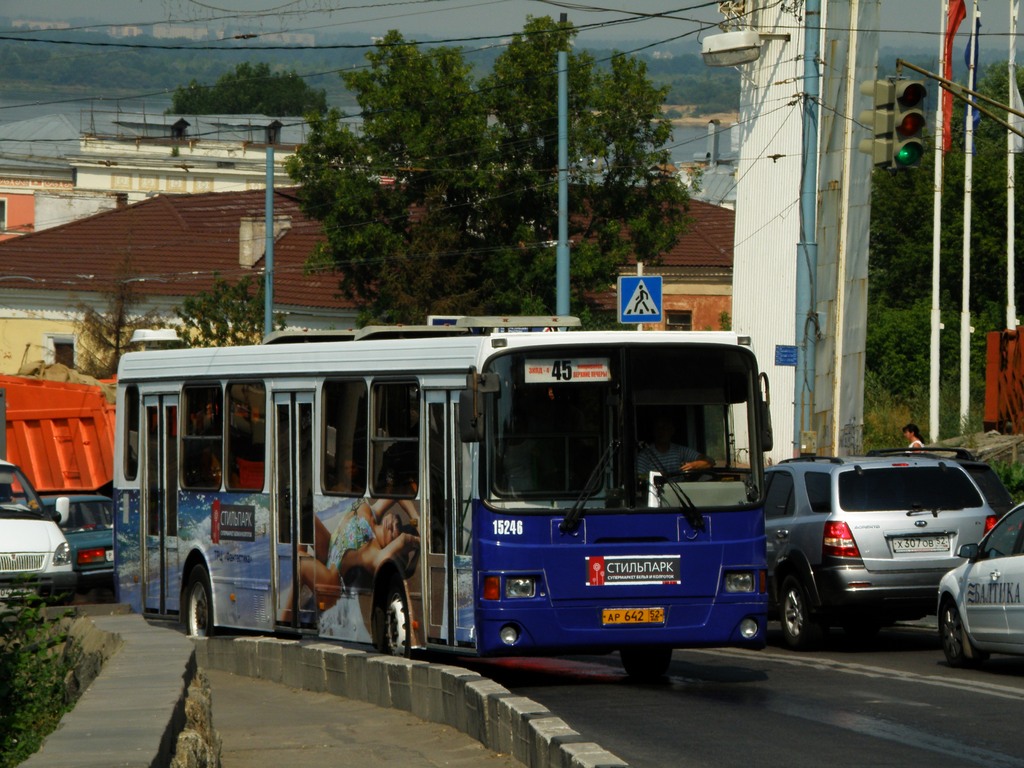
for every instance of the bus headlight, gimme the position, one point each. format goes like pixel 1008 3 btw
pixel 520 586
pixel 749 628
pixel 739 581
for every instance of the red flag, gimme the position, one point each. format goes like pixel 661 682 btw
pixel 957 13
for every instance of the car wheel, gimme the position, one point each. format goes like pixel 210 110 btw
pixel 800 630
pixel 646 665
pixel 395 634
pixel 199 604
pixel 956 645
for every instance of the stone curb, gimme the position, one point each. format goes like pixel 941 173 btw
pixel 437 693
pixel 134 712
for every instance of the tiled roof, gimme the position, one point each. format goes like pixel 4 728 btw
pixel 707 242
pixel 175 244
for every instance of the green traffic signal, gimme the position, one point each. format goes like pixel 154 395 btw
pixel 908 155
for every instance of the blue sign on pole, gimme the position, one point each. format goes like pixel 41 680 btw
pixel 785 354
pixel 640 299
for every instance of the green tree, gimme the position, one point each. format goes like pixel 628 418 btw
pixel 446 200
pixel 900 266
pixel 225 316
pixel 250 89
pixel 105 336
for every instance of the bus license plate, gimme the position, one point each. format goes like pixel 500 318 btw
pixel 938 543
pixel 632 616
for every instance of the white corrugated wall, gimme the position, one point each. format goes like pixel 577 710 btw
pixel 768 217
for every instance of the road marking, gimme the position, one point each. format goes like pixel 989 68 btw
pixel 877 727
pixel 864 670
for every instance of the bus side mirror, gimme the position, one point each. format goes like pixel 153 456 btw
pixel 767 437
pixel 471 415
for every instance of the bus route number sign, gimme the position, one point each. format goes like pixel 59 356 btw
pixel 567 370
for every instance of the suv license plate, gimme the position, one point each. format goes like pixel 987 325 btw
pixel 920 543
pixel 632 616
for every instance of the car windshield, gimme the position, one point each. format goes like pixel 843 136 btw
pixel 89 514
pixel 16 492
pixel 906 488
pixel 584 426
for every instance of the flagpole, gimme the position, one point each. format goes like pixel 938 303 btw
pixel 1012 142
pixel 965 299
pixel 936 316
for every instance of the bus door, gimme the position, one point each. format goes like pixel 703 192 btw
pixel 159 497
pixel 447 525
pixel 292 507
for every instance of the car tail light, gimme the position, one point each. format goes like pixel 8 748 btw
pixel 92 555
pixel 838 541
pixel 990 522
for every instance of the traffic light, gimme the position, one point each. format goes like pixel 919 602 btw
pixel 880 120
pixel 909 124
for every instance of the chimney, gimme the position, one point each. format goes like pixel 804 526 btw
pixel 252 238
pixel 712 155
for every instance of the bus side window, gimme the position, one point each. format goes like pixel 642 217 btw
pixel 131 431
pixel 344 436
pixel 396 439
pixel 202 442
pixel 247 435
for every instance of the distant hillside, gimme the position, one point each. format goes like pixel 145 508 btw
pixel 94 73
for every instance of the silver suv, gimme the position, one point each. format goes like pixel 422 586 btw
pixel 863 541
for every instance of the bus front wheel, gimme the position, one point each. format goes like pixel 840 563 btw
pixel 199 604
pixel 395 632
pixel 646 664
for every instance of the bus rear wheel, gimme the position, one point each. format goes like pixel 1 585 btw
pixel 199 604
pixel 395 632
pixel 646 664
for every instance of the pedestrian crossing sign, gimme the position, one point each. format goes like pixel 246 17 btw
pixel 640 299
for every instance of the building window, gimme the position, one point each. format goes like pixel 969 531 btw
pixel 3 214
pixel 59 348
pixel 679 321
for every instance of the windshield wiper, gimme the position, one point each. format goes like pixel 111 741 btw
pixel 571 521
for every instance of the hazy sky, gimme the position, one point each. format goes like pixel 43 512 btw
pixel 442 18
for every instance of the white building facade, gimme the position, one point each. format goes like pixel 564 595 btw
pixel 768 217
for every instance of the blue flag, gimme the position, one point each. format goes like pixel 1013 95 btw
pixel 971 59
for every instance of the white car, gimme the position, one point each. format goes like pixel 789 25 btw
pixel 980 608
pixel 34 555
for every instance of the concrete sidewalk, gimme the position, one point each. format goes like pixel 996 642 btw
pixel 264 725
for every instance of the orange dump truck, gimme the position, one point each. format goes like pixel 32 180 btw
pixel 61 433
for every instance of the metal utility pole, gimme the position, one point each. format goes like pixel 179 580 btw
pixel 562 252
pixel 268 254
pixel 807 248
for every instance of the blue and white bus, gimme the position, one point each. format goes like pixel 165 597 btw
pixel 484 490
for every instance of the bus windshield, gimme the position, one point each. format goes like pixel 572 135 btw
pixel 664 426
